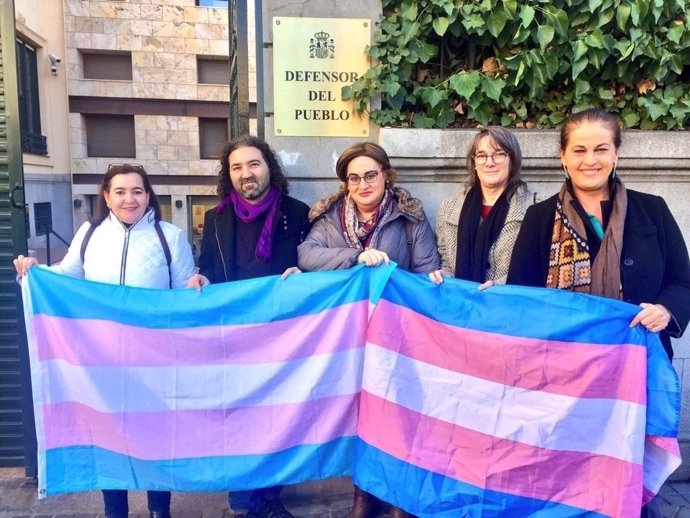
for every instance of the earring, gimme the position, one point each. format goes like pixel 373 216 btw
pixel 614 172
pixel 108 205
pixel 565 170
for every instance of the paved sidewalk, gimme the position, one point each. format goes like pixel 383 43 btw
pixel 326 499
pixel 18 499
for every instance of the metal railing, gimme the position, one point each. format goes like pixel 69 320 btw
pixel 49 230
pixel 34 143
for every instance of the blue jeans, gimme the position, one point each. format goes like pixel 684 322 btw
pixel 252 498
pixel 116 506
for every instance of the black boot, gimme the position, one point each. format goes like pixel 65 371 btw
pixel 396 512
pixel 364 505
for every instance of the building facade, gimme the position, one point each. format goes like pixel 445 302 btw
pixel 43 119
pixel 147 83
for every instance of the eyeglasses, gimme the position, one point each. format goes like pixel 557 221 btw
pixel 498 157
pixel 353 180
pixel 136 167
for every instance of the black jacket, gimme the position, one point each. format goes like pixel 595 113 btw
pixel 218 243
pixel 654 262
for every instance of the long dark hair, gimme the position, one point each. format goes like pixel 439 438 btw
pixel 102 209
pixel 505 140
pixel 276 171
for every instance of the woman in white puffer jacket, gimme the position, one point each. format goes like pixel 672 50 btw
pixel 127 243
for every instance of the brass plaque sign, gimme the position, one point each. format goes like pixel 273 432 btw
pixel 313 58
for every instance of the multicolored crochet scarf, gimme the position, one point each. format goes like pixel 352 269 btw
pixel 570 263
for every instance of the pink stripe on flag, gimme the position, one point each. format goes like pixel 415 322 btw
pixel 202 433
pixel 583 480
pixel 128 346
pixel 567 368
pixel 661 458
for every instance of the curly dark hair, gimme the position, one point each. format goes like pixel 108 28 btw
pixel 276 171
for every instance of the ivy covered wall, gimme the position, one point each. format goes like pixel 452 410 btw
pixel 528 63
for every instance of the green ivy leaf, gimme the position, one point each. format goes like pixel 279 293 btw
pixel 445 116
pixel 606 94
pixel 493 87
pixel 622 15
pixel 482 114
pixel 410 30
pixel 520 71
pixel 420 120
pixel 440 25
pixel 421 51
pixel 561 22
pixel 630 119
pixel 433 96
pixel 582 86
pixel 578 66
pixel 346 92
pixel 556 117
pixel 545 34
pixel 409 10
pixel 595 39
pixel 675 33
pixel 676 64
pixel 594 5
pixel 579 49
pixel 495 22
pixel 510 7
pixel 465 83
pixel 526 15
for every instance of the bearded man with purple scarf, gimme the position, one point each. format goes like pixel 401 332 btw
pixel 253 232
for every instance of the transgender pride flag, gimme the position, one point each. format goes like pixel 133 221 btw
pixel 512 402
pixel 244 385
pixel 444 400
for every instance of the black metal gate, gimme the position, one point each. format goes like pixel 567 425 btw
pixel 17 442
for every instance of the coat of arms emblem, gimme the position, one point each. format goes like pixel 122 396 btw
pixel 321 46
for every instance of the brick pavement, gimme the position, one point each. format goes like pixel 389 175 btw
pixel 326 499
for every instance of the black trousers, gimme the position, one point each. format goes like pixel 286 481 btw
pixel 116 505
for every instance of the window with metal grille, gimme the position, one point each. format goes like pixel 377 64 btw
pixel 110 136
pixel 43 218
pixel 213 70
pixel 107 65
pixel 213 134
pixel 29 102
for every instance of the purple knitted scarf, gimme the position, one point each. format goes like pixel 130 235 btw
pixel 248 212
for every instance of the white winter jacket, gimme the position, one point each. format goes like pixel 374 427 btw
pixel 131 256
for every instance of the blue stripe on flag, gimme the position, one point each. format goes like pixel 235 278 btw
pixel 91 467
pixel 431 495
pixel 580 318
pixel 252 301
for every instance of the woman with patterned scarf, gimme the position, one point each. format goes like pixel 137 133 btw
pixel 476 229
pixel 595 236
pixel 368 221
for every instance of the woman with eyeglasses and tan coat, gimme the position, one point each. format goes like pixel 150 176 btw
pixel 368 221
pixel 477 228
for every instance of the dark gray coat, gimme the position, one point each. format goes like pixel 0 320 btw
pixel 405 236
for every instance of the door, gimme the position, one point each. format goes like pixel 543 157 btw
pixel 17 439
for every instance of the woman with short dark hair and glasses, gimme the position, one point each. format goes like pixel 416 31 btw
pixel 476 229
pixel 368 220
pixel 127 243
